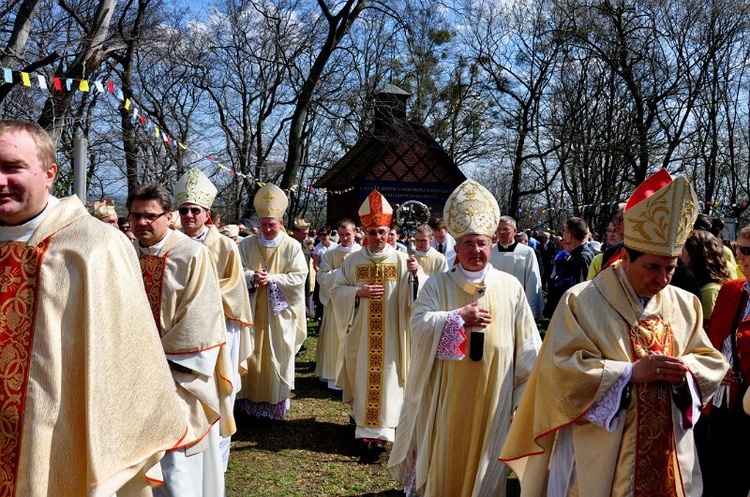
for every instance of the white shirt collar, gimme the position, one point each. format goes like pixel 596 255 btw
pixel 474 276
pixel 269 243
pixel 201 235
pixel 23 232
pixel 155 248
pixel 348 250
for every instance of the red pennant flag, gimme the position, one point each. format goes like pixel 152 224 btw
pixel 56 82
pixel 231 171
pixel 111 87
pixel 143 119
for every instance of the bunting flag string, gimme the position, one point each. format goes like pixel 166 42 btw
pixel 139 118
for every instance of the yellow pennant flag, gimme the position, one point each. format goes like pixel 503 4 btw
pixel 127 104
pixel 25 79
pixel 83 85
pixel 156 130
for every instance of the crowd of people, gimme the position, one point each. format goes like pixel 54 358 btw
pixel 129 346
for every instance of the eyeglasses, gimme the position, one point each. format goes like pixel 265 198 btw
pixel 743 250
pixel 184 210
pixel 150 218
pixel 474 246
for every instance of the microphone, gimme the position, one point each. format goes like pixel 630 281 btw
pixel 476 350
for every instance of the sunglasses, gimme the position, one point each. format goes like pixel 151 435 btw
pixel 744 250
pixel 195 210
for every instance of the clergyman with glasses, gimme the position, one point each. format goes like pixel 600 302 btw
pixel 373 293
pixel 183 290
pixel 194 195
pixel 474 343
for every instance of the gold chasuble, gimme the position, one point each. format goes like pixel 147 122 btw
pixel 332 328
pixel 87 404
pixel 234 296
pixel 183 290
pixel 376 349
pixel 597 330
pixel 457 413
pixel 278 337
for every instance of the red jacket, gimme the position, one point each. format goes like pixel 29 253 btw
pixel 730 298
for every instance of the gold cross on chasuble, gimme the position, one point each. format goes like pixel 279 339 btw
pixel 18 301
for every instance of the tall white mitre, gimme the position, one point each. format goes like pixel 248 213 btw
pixel 471 210
pixel 270 201
pixel 194 187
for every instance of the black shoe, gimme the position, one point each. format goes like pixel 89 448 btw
pixel 372 449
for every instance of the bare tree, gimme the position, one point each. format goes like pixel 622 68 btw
pixel 338 26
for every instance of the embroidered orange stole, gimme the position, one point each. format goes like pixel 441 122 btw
pixel 19 285
pixel 654 472
pixel 378 274
pixel 153 268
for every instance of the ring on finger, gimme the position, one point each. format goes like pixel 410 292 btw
pixel 658 370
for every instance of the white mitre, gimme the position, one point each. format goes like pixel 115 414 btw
pixel 194 187
pixel 270 201
pixel 471 210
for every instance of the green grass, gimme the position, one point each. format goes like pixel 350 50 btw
pixel 313 453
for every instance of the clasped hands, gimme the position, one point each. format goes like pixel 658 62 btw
pixel 657 367
pixel 261 277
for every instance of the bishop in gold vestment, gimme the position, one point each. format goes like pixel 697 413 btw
pixel 278 304
pixel 194 195
pixel 372 294
pixel 465 378
pixel 624 370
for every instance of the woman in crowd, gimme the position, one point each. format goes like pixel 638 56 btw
pixel 703 253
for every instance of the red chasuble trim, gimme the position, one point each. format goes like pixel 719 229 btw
pixel 655 453
pixel 153 268
pixel 378 274
pixel 19 290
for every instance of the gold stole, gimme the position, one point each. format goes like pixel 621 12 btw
pixel 19 286
pixel 377 274
pixel 153 268
pixel 655 445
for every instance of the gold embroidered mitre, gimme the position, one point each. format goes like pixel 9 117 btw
pixel 194 187
pixel 270 201
pixel 230 230
pixel 660 214
pixel 300 224
pixel 375 211
pixel 471 210
pixel 102 208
